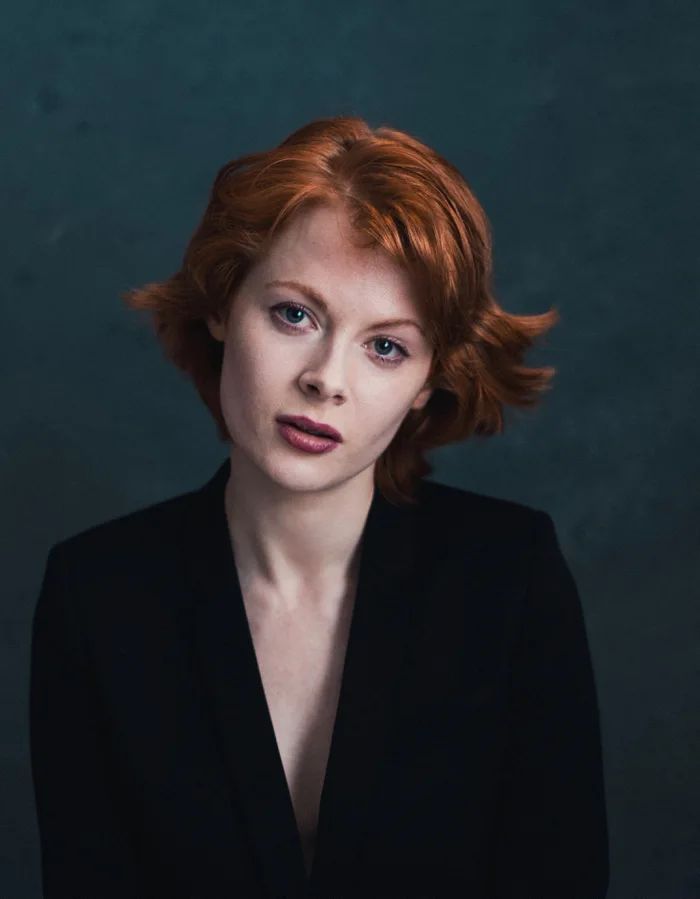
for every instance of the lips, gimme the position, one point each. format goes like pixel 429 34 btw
pixel 311 426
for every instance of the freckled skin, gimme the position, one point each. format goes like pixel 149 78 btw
pixel 327 370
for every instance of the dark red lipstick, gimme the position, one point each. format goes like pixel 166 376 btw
pixel 311 426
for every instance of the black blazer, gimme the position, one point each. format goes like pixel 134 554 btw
pixel 466 754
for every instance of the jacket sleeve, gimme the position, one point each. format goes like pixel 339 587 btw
pixel 552 836
pixel 85 850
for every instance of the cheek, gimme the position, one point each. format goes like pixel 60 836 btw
pixel 250 381
pixel 237 381
pixel 382 413
pixel 243 365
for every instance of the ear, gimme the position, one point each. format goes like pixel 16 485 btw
pixel 217 328
pixel 422 398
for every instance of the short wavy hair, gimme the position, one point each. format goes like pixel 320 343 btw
pixel 401 196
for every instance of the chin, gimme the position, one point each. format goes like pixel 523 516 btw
pixel 298 481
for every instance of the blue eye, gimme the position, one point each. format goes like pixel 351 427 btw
pixel 295 309
pixel 277 310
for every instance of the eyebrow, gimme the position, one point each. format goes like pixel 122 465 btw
pixel 314 295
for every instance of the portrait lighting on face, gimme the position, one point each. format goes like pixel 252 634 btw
pixel 361 224
pixel 322 335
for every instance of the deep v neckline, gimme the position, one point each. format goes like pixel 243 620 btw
pixel 302 706
pixel 234 693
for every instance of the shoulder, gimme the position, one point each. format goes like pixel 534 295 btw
pixel 138 540
pixel 507 541
pixel 505 549
pixel 480 516
pixel 118 575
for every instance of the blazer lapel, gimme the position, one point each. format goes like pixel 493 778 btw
pixel 388 587
pixel 387 590
pixel 234 694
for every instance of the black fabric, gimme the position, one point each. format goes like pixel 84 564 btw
pixel 465 758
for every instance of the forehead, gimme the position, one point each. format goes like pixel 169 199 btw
pixel 319 246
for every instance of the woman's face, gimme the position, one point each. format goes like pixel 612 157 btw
pixel 332 363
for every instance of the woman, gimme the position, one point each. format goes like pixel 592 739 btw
pixel 321 674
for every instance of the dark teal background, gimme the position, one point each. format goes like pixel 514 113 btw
pixel 576 126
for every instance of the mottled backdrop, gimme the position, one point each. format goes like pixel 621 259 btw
pixel 576 126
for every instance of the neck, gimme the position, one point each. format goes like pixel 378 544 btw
pixel 299 548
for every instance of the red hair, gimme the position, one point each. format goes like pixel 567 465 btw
pixel 404 197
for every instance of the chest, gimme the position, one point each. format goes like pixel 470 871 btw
pixel 300 658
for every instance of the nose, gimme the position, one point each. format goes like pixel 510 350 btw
pixel 326 376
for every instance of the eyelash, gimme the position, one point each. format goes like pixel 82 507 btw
pixel 383 360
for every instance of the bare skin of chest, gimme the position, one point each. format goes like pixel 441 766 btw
pixel 301 655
